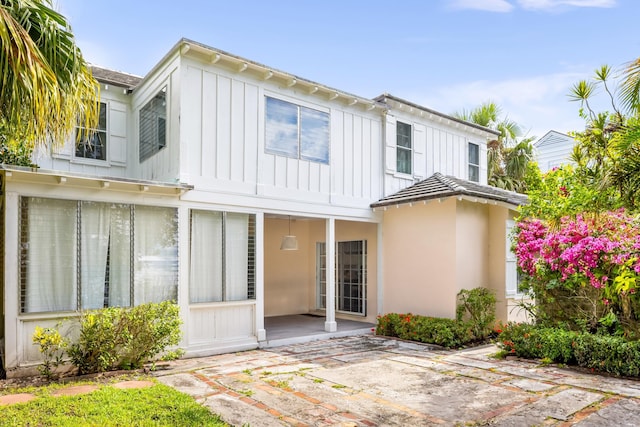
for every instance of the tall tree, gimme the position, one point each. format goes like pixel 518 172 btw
pixel 509 156
pixel 45 84
pixel 608 150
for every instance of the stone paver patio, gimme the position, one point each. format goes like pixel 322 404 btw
pixel 375 381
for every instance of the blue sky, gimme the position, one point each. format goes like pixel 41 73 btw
pixel 447 55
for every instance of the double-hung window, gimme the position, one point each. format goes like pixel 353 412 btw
pixel 474 162
pixel 295 131
pixel 86 255
pixel 153 125
pixel 404 148
pixel 92 143
pixel 222 256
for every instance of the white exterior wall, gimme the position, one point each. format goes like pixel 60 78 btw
pixel 222 136
pixel 119 141
pixel 438 145
pixel 554 149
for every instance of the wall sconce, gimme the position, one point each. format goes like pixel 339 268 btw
pixel 289 242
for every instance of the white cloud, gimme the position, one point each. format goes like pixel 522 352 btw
pixel 486 5
pixel 538 104
pixel 554 4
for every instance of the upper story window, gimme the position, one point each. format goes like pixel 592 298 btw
pixel 153 125
pixel 474 162
pixel 404 148
pixel 91 143
pixel 295 131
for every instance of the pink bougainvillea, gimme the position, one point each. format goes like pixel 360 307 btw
pixel 594 250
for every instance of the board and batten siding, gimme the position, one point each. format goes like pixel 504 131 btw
pixel 223 143
pixel 436 148
pixel 165 164
pixel 63 158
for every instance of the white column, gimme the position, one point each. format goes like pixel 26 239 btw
pixel 184 265
pixel 13 344
pixel 261 332
pixel 330 324
pixel 380 272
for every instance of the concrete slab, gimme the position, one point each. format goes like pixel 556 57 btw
pixel 375 381
pixel 623 413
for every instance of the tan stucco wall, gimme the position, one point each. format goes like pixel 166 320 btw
pixel 498 217
pixel 290 276
pixel 419 260
pixel 433 251
pixel 286 273
pixel 472 245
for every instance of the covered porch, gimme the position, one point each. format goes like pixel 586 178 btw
pixel 325 287
pixel 300 328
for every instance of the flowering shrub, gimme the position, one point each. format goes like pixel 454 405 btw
pixel 585 271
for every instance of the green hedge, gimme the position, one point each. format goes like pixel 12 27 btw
pixel 602 353
pixel 432 330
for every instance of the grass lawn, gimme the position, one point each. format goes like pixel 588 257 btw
pixel 158 405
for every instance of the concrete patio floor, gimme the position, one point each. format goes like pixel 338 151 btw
pixel 375 381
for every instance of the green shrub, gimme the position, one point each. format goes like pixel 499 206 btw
pixel 534 342
pixel 610 354
pixel 431 330
pixel 477 308
pixel 52 345
pixel 116 338
pixel 602 353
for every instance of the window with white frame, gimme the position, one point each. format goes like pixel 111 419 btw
pixel 153 125
pixel 295 131
pixel 86 255
pixel 404 148
pixel 222 256
pixel 474 162
pixel 92 143
pixel 351 276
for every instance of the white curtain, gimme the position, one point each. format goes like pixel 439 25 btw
pixel 104 248
pixel 205 283
pixel 120 256
pixel 50 242
pixel 236 256
pixel 155 254
pixel 94 245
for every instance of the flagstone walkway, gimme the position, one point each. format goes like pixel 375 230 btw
pixel 374 381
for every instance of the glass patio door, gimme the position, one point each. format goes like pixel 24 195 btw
pixel 351 276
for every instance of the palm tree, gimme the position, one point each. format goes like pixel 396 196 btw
pixel 507 156
pixel 45 83
pixel 630 87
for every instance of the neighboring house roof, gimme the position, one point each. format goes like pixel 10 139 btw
pixel 116 78
pixel 554 137
pixel 385 97
pixel 440 186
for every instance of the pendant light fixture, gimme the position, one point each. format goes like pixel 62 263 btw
pixel 289 242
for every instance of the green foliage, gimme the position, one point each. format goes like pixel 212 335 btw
pixel 534 342
pixel 12 152
pixel 431 330
pixel 477 307
pixel 602 353
pixel 159 405
pixel 121 338
pixel 609 354
pixel 564 192
pixel 52 345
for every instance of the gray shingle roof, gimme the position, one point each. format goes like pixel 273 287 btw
pixel 441 186
pixel 116 78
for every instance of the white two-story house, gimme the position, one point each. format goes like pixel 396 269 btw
pixel 250 195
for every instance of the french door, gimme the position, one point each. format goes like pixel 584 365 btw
pixel 351 276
